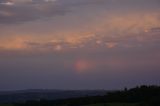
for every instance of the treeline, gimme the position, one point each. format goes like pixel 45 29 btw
pixel 143 95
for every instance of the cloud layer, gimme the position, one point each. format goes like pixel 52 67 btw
pixel 19 11
pixel 79 44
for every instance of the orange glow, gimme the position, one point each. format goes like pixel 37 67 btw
pixel 111 45
pixel 14 43
pixel 82 66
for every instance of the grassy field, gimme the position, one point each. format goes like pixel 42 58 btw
pixel 5 105
pixel 114 104
pixel 107 104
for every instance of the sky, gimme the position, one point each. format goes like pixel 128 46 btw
pixel 79 44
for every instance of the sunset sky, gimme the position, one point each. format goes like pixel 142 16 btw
pixel 79 44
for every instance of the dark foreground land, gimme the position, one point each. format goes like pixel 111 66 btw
pixel 139 96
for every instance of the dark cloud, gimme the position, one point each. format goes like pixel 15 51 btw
pixel 23 12
pixel 26 10
pixel 17 11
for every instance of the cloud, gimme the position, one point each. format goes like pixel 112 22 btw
pixel 91 27
pixel 25 1
pixel 18 11
pixel 29 10
pixel 131 32
pixel 7 3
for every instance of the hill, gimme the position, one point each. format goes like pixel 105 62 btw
pixel 38 94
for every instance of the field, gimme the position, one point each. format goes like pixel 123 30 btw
pixel 107 104
pixel 114 104
pixel 6 105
